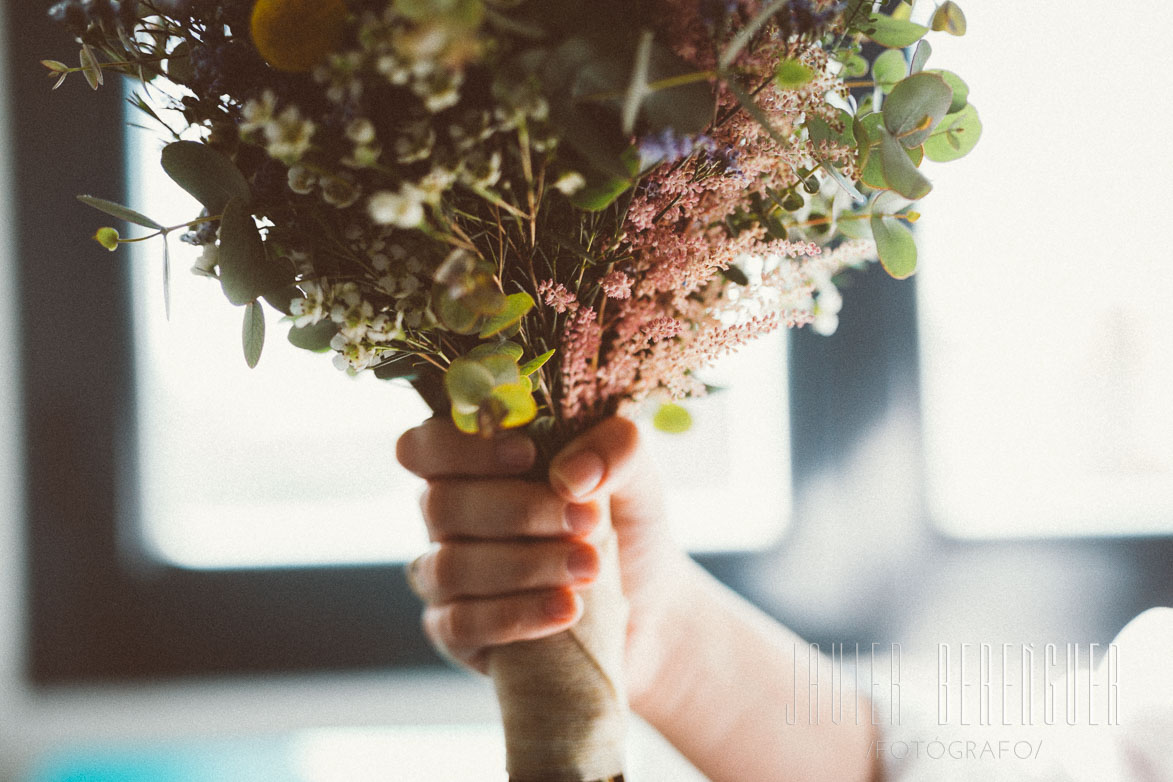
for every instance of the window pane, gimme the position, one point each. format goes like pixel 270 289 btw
pixel 1045 285
pixel 293 463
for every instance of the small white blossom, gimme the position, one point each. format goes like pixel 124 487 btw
pixel 311 309
pixel 258 113
pixel 570 183
pixel 340 192
pixel 404 209
pixel 302 180
pixel 288 135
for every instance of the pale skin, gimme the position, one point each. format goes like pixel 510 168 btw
pixel 709 671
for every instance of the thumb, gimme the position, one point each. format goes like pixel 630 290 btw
pixel 608 460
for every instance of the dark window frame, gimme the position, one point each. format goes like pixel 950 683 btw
pixel 100 613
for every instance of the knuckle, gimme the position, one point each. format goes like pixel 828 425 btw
pixel 445 569
pixel 459 627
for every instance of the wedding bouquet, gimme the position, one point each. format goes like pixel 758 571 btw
pixel 538 212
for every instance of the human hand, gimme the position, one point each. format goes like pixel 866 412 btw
pixel 511 553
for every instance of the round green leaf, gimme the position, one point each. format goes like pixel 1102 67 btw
pixel 915 106
pixel 792 74
pixel 518 400
pixel 516 307
pixel 899 171
pixel 503 369
pixel 246 272
pixel 465 422
pixel 959 87
pixel 920 56
pixel 894 33
pixel 950 18
pixel 209 176
pixel 672 418
pixel 108 238
pixel 468 383
pixel 889 68
pixel 315 337
pixel 956 136
pixel 895 246
pixel 510 350
pixel 868 130
pixel 854 66
pixel 253 335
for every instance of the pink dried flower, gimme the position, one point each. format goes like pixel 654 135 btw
pixel 616 285
pixel 556 296
pixel 581 338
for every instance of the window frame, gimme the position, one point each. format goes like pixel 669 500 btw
pixel 99 611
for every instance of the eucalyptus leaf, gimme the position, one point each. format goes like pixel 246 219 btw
pixel 735 275
pixel 956 136
pixel 209 176
pixel 511 350
pixel 315 337
pixel 502 368
pixel 889 68
pixel 637 86
pixel 920 56
pixel 120 211
pixel 894 33
pixel 899 171
pixel 793 74
pixel 246 272
pixel 959 87
pixel 516 307
pixel 166 279
pixel 598 196
pixel 868 130
pixel 468 383
pixel 895 246
pixel 254 333
pixel 854 66
pixel 536 363
pixel 402 367
pixel 672 418
pixel 950 18
pixel 519 403
pixel 915 106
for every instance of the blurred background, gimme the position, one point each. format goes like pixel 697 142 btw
pixel 201 565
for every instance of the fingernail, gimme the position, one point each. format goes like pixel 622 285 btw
pixel 583 563
pixel 514 453
pixel 580 474
pixel 581 519
pixel 562 606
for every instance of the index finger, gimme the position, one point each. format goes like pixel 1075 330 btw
pixel 437 449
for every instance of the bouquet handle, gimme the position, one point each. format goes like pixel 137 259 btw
pixel 562 698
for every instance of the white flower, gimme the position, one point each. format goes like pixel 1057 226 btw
pixel 289 135
pixel 205 265
pixel 435 182
pixel 570 183
pixel 827 305
pixel 351 356
pixel 258 113
pixel 312 308
pixel 340 192
pixel 404 209
pixel 302 180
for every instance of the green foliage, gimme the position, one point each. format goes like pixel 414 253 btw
pixel 893 33
pixel 534 364
pixel 120 211
pixel 108 238
pixel 895 246
pixel 900 173
pixel 950 18
pixel 489 393
pixel 792 74
pixel 209 176
pixel 672 418
pixel 246 272
pixel 253 335
pixel 959 87
pixel 315 337
pixel 516 307
pixel 915 106
pixel 889 68
pixel 955 137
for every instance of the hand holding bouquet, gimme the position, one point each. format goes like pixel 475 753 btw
pixel 538 212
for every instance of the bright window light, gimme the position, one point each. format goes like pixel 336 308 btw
pixel 293 463
pixel 1046 330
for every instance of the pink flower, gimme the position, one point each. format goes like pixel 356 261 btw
pixel 555 295
pixel 616 285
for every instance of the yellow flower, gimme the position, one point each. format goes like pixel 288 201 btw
pixel 295 35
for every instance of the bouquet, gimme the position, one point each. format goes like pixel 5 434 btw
pixel 538 212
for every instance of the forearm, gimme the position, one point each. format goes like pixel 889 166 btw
pixel 732 692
